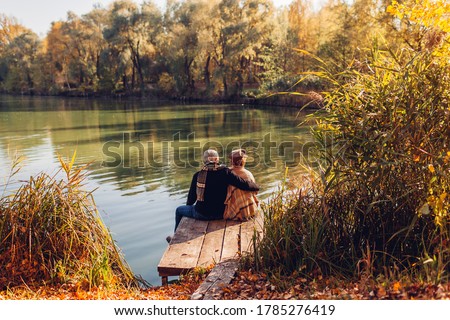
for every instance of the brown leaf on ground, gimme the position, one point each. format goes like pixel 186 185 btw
pixel 247 285
pixel 181 290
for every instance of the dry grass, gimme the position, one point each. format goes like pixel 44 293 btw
pixel 51 233
pixel 378 200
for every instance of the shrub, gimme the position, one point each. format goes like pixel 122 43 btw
pixel 385 139
pixel 292 83
pixel 51 233
pixel 167 85
pixel 384 156
pixel 296 230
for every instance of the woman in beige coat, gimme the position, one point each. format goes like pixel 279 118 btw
pixel 239 204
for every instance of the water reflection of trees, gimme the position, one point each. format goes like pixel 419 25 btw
pixel 87 125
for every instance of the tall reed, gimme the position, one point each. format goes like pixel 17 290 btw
pixel 383 141
pixel 52 233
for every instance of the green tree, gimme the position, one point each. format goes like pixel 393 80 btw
pixel 132 37
pixel 20 55
pixel 91 33
pixel 10 29
pixel 84 42
pixel 240 32
pixel 259 18
pixel 183 23
pixel 343 28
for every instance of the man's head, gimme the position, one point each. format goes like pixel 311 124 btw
pixel 210 155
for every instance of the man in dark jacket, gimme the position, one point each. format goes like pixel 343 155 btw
pixel 209 189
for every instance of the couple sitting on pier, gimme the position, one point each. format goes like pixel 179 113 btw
pixel 219 192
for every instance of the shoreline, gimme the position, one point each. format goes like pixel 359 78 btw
pixel 309 100
pixel 246 286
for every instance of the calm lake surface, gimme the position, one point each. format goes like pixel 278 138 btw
pixel 142 156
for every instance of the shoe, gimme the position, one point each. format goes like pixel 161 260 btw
pixel 168 239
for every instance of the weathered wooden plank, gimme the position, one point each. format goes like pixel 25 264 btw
pixel 201 243
pixel 231 240
pixel 184 249
pixel 213 243
pixel 220 276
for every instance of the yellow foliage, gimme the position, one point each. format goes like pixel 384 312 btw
pixel 429 13
pixel 440 207
pixel 434 15
pixel 447 157
pixel 166 83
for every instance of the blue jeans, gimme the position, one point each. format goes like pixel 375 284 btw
pixel 188 211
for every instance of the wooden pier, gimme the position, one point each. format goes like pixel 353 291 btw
pixel 199 243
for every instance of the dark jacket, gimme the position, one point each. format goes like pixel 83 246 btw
pixel 216 191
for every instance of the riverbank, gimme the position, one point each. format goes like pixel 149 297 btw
pixel 306 99
pixel 249 286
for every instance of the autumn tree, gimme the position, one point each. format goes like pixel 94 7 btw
pixel 293 31
pixel 336 38
pixel 419 23
pixel 18 50
pixel 74 47
pixel 214 43
pixel 93 43
pixel 60 54
pixel 343 29
pixel 200 47
pixel 241 30
pixel 84 42
pixel 9 29
pixel 259 18
pixel 207 41
pixel 132 37
pixel 183 24
pixel 299 32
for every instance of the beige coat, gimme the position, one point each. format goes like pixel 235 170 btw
pixel 239 204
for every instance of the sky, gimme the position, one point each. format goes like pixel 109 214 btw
pixel 39 14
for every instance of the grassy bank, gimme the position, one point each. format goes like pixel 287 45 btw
pixel 181 290
pixel 52 234
pixel 247 285
pixel 375 203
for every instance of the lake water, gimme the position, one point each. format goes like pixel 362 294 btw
pixel 142 155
